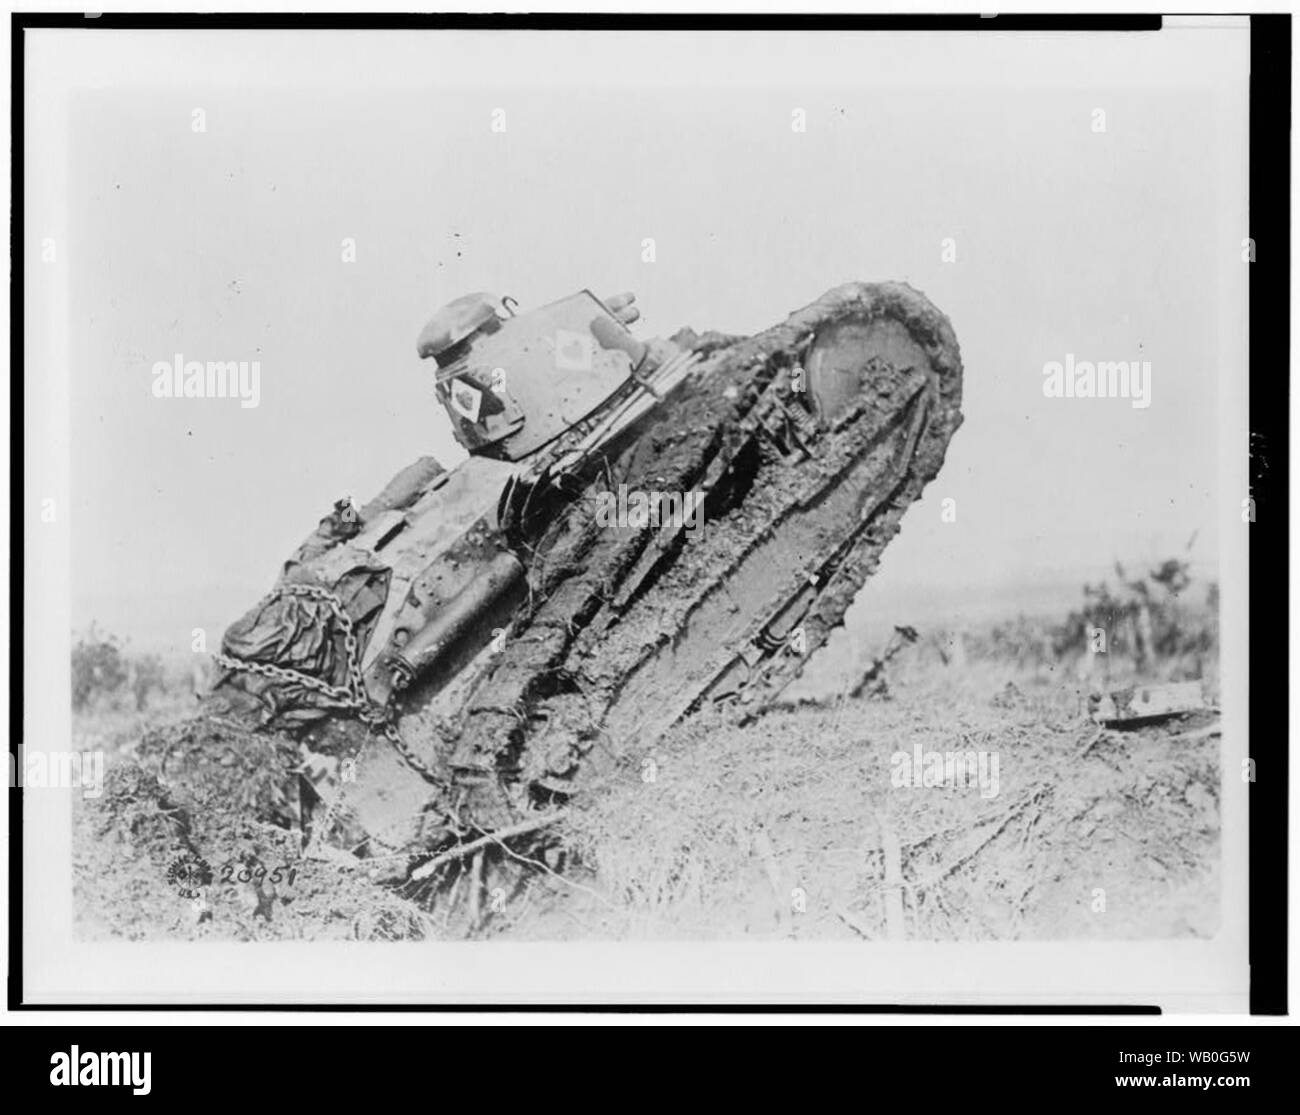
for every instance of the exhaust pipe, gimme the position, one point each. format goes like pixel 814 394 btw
pixel 396 670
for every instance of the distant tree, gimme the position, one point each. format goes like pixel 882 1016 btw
pixel 1144 617
pixel 1173 576
pixel 98 667
pixel 147 675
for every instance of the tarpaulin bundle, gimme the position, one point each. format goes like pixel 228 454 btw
pixel 303 634
pixel 297 628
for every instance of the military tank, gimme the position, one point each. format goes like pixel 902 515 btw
pixel 640 530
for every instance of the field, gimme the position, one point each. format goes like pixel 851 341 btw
pixel 806 823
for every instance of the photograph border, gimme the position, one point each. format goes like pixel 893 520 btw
pixel 1269 335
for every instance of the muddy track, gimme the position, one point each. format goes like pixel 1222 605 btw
pixel 633 629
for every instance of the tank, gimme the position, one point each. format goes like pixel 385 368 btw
pixel 639 530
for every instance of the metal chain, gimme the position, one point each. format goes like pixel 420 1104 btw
pixel 352 697
pixel 381 721
pixel 279 673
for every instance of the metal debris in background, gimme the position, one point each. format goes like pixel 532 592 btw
pixel 1139 704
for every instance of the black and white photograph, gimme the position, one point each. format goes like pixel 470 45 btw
pixel 621 514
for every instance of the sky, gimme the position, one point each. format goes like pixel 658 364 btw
pixel 227 244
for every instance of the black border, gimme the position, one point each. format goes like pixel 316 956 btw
pixel 1269 129
pixel 1270 341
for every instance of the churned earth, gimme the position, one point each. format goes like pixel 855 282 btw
pixel 805 824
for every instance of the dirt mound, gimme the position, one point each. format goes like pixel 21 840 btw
pixel 191 840
pixel 799 825
pixel 796 827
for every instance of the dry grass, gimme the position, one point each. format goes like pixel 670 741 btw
pixel 779 829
